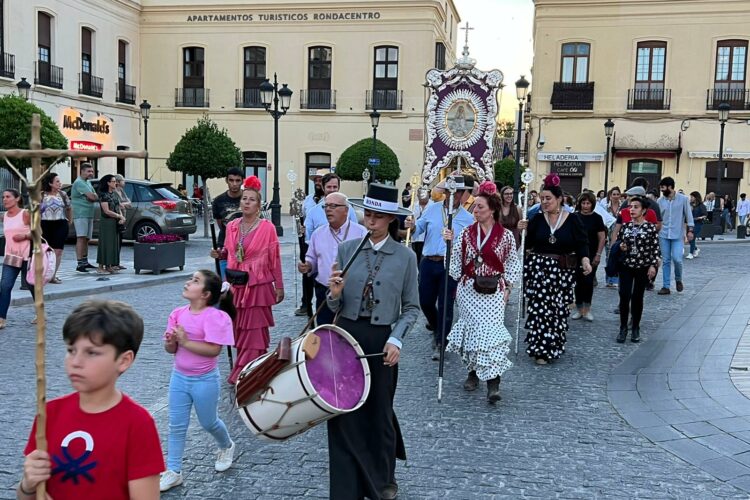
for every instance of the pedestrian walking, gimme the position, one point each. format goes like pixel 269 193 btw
pixel 699 218
pixel 510 214
pixel 226 207
pixel 310 201
pixel 108 250
pixel 17 232
pixel 677 215
pixel 377 303
pixel 56 213
pixel 727 213
pixel 125 205
pixel 101 443
pixel 423 201
pixel 485 264
pixel 253 256
pixel 596 233
pixel 83 196
pixel 613 209
pixel 558 245
pixel 195 334
pixel 316 216
pixel 743 209
pixel 639 243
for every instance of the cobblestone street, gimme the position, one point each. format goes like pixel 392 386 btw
pixel 555 434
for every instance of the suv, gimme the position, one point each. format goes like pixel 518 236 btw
pixel 156 208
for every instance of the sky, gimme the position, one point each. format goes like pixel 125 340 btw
pixel 502 39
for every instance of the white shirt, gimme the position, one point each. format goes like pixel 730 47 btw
pixel 743 208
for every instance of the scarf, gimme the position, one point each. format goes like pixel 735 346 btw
pixel 491 259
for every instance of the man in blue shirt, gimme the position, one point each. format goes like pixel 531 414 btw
pixel 316 216
pixel 676 217
pixel 433 223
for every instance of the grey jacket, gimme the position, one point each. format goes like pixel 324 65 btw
pixel 394 286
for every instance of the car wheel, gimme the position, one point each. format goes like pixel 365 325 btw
pixel 146 229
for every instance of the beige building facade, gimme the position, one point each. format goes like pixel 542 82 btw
pixel 92 62
pixel 659 69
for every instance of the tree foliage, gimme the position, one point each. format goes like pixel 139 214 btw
pixel 15 128
pixel 506 128
pixel 504 172
pixel 354 160
pixel 205 151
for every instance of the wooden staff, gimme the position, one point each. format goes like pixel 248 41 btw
pixel 450 184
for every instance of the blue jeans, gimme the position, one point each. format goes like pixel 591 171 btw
pixel 671 252
pixel 694 241
pixel 223 268
pixel 9 277
pixel 186 391
pixel 432 292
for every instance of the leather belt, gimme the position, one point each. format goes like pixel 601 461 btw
pixel 436 258
pixel 566 261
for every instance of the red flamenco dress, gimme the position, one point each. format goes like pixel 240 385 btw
pixel 261 259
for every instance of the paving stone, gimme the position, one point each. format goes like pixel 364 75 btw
pixel 725 468
pixel 725 444
pixel 697 429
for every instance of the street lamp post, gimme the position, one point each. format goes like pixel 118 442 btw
pixel 609 129
pixel 374 121
pixel 522 87
pixel 270 93
pixel 724 109
pixel 145 111
pixel 23 88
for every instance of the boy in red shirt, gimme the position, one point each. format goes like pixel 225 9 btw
pixel 102 444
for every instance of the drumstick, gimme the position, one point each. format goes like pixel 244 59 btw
pixel 372 355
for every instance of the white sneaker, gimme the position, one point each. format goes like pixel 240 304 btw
pixel 224 458
pixel 169 479
pixel 690 256
pixel 588 316
pixel 575 314
pixel 697 252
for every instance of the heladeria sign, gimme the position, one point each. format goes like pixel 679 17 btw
pixel 285 17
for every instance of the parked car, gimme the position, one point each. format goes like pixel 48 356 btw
pixel 157 208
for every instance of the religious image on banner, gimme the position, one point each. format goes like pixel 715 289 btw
pixel 461 119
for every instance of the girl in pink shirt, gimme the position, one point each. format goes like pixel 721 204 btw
pixel 195 335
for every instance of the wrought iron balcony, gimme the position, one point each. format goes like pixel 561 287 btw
pixel 48 75
pixel 651 99
pixel 389 99
pixel 317 99
pixel 91 85
pixel 247 98
pixel 7 65
pixel 125 93
pixel 191 98
pixel 527 104
pixel 738 99
pixel 572 96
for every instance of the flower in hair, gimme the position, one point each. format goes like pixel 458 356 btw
pixel 551 180
pixel 252 182
pixel 488 188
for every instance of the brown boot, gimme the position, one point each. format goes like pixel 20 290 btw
pixel 472 381
pixel 493 390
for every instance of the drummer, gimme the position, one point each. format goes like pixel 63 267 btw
pixel 377 303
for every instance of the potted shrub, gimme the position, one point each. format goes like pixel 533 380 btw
pixel 157 252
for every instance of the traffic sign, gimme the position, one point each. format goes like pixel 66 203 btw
pixel 373 162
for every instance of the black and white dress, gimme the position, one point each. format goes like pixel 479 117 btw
pixel 548 286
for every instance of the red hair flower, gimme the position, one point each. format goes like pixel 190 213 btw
pixel 488 188
pixel 252 182
pixel 551 180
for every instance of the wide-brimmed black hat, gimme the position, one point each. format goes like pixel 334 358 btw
pixel 381 198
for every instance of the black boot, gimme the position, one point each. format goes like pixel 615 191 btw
pixel 623 334
pixel 635 336
pixel 493 390
pixel 472 381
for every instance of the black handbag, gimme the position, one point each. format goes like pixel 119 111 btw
pixel 486 284
pixel 237 277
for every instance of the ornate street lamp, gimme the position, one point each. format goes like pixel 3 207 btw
pixel 374 121
pixel 23 89
pixel 271 94
pixel 145 111
pixel 609 129
pixel 724 109
pixel 522 88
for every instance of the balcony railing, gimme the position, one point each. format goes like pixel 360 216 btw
pixel 7 65
pixel 389 99
pixel 738 99
pixel 91 85
pixel 527 104
pixel 48 75
pixel 247 98
pixel 317 99
pixel 191 98
pixel 125 93
pixel 653 99
pixel 572 96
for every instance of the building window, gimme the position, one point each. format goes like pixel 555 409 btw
pixel 385 82
pixel 314 161
pixel 650 67
pixel 254 67
pixel 86 36
pixel 122 52
pixel 193 67
pixel 440 55
pixel 256 163
pixel 318 94
pixel 44 42
pixel 730 75
pixel 574 66
pixel 2 27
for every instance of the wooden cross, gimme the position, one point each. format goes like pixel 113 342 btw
pixel 34 185
pixel 467 29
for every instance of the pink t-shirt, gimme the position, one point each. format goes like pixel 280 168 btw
pixel 210 325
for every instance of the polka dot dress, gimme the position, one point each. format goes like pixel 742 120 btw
pixel 549 290
pixel 480 335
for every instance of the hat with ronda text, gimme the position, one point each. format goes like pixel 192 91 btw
pixel 381 198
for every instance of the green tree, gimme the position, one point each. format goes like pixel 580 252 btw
pixel 506 128
pixel 15 128
pixel 504 171
pixel 207 152
pixel 353 161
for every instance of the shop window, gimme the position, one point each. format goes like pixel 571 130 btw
pixel 646 168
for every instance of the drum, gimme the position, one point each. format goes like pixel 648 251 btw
pixel 307 392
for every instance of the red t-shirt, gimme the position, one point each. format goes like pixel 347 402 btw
pixel 94 455
pixel 650 216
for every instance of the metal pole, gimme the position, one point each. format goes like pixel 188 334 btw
pixel 450 184
pixel 276 200
pixel 606 169
pixel 717 199
pixel 517 173
pixel 374 145
pixel 145 146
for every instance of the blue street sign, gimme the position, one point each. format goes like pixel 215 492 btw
pixel 373 162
